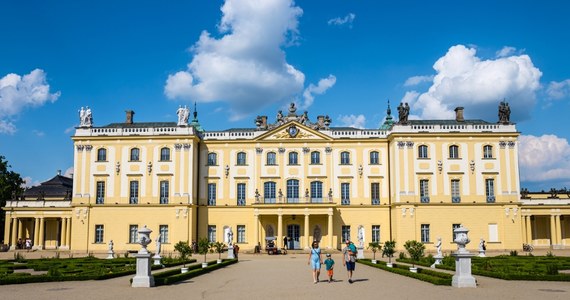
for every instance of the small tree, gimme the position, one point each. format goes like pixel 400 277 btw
pixel 204 246
pixel 374 246
pixel 415 249
pixel 389 250
pixel 184 249
pixel 219 248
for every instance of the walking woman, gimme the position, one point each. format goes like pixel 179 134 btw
pixel 315 261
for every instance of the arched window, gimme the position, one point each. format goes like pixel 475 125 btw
pixel 135 154
pixel 241 159
pixel 102 154
pixel 316 192
pixel 212 159
pixel 423 151
pixel 315 157
pixel 269 192
pixel 487 151
pixel 374 158
pixel 453 151
pixel 271 159
pixel 165 154
pixel 293 158
pixel 345 158
pixel 292 191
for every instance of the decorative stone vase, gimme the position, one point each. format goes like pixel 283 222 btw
pixel 204 265
pixel 413 269
pixel 219 261
pixel 144 239
pixel 184 270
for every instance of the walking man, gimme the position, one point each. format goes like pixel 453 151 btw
pixel 349 259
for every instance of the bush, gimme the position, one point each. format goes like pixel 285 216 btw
pixel 415 249
pixel 513 253
pixel 402 255
pixel 551 269
pixel 434 277
pixel 389 249
pixel 184 249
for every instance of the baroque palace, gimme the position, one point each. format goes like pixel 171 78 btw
pixel 293 181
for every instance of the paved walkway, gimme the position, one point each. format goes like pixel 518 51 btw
pixel 287 277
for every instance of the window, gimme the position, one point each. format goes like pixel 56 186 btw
pixel 163 230
pixel 376 233
pixel 292 191
pixel 454 151
pixel 100 192
pixel 345 158
pixel 241 233
pixel 212 233
pixel 241 194
pixel 99 231
pixel 316 192
pixel 493 233
pixel 425 233
pixel 134 192
pixel 241 159
pixel 345 193
pixel 315 158
pixel 271 159
pixel 135 154
pixel 345 233
pixel 164 190
pixel 293 158
pixel 374 158
pixel 212 159
pixel 488 151
pixel 269 192
pixel 133 234
pixel 423 151
pixel 211 194
pixel 375 193
pixel 453 234
pixel 102 154
pixel 424 191
pixel 490 190
pixel 455 196
pixel 165 154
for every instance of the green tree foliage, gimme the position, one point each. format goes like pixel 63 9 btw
pixel 184 249
pixel 204 247
pixel 10 186
pixel 415 249
pixel 389 249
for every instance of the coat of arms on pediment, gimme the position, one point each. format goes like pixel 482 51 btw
pixel 292 132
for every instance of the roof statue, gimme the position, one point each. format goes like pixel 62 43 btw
pixel 85 117
pixel 322 123
pixel 403 113
pixel 504 113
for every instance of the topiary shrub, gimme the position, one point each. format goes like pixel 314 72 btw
pixel 415 249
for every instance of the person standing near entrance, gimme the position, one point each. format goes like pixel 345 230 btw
pixel 349 259
pixel 315 261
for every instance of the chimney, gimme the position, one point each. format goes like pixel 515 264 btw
pixel 130 116
pixel 459 114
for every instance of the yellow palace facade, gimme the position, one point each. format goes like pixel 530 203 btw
pixel 293 181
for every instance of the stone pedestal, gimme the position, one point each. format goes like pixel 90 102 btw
pixel 231 252
pixel 157 259
pixel 143 278
pixel 481 253
pixel 463 277
pixel 438 260
pixel 360 253
pixel 110 254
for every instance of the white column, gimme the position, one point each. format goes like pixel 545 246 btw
pixel 558 231
pixel 68 233
pixel 330 230
pixel 279 229
pixel 552 230
pixel 63 232
pixel 41 238
pixel 256 226
pixel 306 231
pixel 14 239
pixel 529 229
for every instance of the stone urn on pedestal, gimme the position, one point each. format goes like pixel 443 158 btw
pixel 143 277
pixel 462 277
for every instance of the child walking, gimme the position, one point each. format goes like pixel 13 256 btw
pixel 329 264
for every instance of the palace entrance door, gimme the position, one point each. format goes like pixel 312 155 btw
pixel 294 235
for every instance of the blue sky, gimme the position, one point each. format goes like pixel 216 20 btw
pixel 241 58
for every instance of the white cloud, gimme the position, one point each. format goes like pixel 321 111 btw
pixel 323 85
pixel 463 79
pixel 415 80
pixel 558 90
pixel 68 172
pixel 246 66
pixel 348 19
pixel 39 133
pixel 352 121
pixel 506 51
pixel 544 158
pixel 29 182
pixel 19 92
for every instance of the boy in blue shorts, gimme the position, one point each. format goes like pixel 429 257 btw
pixel 329 264
pixel 349 260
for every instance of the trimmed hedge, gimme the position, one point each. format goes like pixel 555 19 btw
pixel 173 276
pixel 433 277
